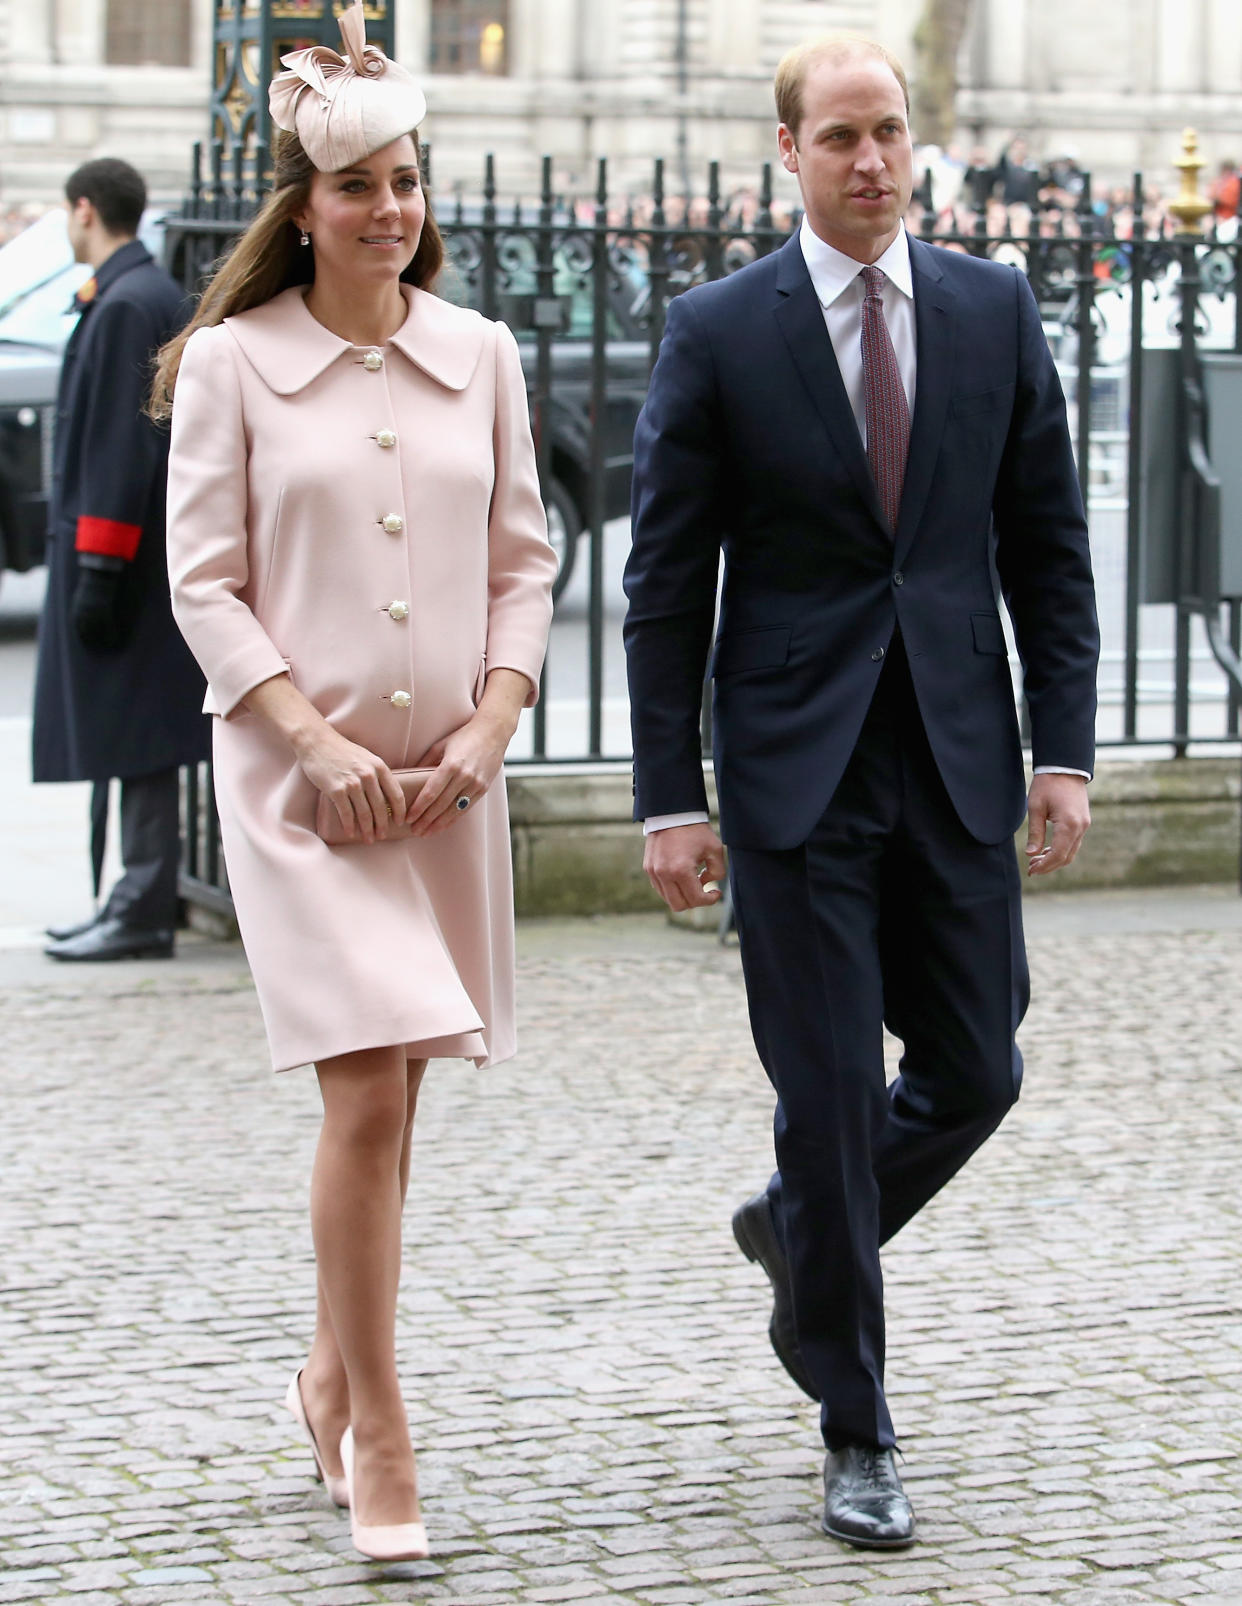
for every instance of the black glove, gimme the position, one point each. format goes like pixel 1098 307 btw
pixel 96 609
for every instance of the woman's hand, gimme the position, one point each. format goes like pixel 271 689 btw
pixel 363 790
pixel 468 760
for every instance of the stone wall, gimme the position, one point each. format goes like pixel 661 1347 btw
pixel 576 851
pixel 1115 83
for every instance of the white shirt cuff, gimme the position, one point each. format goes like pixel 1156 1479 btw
pixel 1059 769
pixel 665 822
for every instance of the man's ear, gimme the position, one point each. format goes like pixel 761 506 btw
pixel 788 146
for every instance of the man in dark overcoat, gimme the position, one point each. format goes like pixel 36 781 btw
pixel 117 694
pixel 873 431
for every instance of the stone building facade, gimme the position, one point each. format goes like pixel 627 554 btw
pixel 628 79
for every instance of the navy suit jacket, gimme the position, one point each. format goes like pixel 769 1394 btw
pixel 747 442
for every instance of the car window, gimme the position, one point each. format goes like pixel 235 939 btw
pixel 44 316
pixel 38 278
pixel 34 256
pixel 517 279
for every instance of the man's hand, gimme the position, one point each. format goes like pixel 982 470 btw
pixel 1057 815
pixel 682 863
pixel 95 609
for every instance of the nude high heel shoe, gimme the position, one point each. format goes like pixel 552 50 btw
pixel 337 1491
pixel 403 1541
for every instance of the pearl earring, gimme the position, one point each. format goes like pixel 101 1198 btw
pixel 305 238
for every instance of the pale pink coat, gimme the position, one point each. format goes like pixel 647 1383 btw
pixel 289 452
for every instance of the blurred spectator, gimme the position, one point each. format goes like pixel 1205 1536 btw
pixel 980 179
pixel 945 170
pixel 1224 190
pixel 1063 180
pixel 1019 177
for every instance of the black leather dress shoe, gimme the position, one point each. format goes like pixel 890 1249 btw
pixel 112 939
pixel 757 1238
pixel 63 933
pixel 864 1503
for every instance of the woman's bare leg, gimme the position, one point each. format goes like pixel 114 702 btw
pixel 325 1389
pixel 414 1071
pixel 356 1221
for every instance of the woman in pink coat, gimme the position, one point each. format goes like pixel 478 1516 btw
pixel 360 563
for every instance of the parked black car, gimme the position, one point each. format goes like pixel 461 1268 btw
pixel 570 313
pixel 38 277
pixel 38 280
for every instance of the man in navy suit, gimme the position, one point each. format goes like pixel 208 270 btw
pixel 881 456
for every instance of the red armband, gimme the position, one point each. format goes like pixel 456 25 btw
pixel 108 537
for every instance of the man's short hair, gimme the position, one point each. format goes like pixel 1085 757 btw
pixel 838 46
pixel 114 188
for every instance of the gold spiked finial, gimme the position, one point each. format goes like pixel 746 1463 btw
pixel 1190 208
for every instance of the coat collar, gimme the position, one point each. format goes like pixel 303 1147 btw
pixel 131 255
pixel 288 349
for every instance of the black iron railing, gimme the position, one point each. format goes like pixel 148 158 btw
pixel 585 284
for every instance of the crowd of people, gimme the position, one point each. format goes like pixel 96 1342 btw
pixel 1012 194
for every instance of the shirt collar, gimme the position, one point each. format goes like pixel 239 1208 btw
pixel 832 272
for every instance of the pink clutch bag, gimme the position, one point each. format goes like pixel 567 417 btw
pixel 328 821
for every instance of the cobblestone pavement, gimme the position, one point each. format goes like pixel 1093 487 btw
pixel 597 1412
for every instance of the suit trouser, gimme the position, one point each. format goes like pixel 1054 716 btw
pixel 889 914
pixel 146 894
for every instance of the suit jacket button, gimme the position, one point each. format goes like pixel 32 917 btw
pixel 373 362
pixel 386 437
pixel 398 610
pixel 393 523
pixel 401 699
pixel 877 655
pixel 899 579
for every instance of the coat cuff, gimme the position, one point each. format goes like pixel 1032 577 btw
pixel 513 649
pixel 239 674
pixel 109 538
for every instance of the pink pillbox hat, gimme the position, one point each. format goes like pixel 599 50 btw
pixel 343 108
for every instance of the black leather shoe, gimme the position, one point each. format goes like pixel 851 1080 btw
pixel 864 1503
pixel 63 933
pixel 112 939
pixel 757 1238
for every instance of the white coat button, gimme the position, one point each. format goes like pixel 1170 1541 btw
pixel 393 523
pixel 373 362
pixel 386 437
pixel 401 699
pixel 398 610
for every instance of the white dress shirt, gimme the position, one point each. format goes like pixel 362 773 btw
pixel 838 284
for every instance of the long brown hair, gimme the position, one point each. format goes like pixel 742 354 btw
pixel 268 259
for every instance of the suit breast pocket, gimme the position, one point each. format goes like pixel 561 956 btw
pixel 741 651
pixel 998 399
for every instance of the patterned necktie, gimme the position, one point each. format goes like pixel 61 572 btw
pixel 887 412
